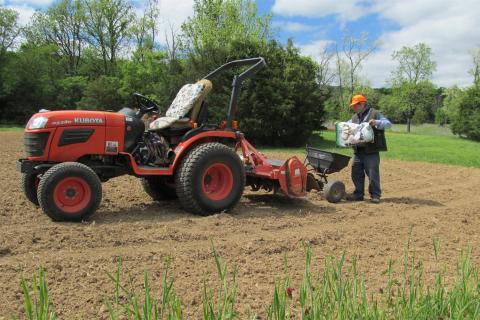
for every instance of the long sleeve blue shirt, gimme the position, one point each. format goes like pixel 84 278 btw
pixel 382 122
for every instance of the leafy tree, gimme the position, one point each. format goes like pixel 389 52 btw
pixel 416 102
pixel 62 25
pixel 475 71
pixel 107 25
pixel 350 55
pixel 281 104
pixel 9 30
pixel 466 123
pixel 70 91
pixel 25 94
pixel 102 94
pixel 153 77
pixel 144 29
pixel 450 103
pixel 415 64
pixel 216 25
pixel 390 106
pixel 410 82
pixel 285 104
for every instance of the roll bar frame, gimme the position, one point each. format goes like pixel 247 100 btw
pixel 258 63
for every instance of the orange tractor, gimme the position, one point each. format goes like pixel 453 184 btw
pixel 205 166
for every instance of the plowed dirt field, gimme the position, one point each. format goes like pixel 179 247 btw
pixel 433 201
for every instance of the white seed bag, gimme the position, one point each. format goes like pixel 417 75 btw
pixel 351 134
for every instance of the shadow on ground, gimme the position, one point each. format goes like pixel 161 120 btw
pixel 416 201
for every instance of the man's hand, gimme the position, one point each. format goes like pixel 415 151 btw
pixel 372 123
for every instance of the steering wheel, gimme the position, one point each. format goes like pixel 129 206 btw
pixel 144 104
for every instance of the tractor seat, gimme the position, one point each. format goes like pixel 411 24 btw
pixel 185 107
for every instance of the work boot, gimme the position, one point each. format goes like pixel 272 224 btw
pixel 352 197
pixel 375 200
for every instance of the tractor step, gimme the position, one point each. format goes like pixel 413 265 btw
pixel 144 167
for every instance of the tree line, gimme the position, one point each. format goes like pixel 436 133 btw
pixel 93 54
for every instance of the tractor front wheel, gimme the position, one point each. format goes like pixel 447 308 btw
pixel 334 191
pixel 69 191
pixel 29 186
pixel 210 178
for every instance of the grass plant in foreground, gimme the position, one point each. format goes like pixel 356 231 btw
pixel 335 292
pixel 340 293
pixel 128 303
pixel 36 300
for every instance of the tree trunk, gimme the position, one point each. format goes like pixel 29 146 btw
pixel 409 120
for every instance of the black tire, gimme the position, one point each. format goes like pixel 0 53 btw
pixel 192 179
pixel 29 186
pixel 158 188
pixel 334 191
pixel 60 186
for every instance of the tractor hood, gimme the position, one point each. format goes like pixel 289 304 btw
pixel 71 118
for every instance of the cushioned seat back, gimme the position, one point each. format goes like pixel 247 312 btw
pixel 185 107
pixel 193 114
pixel 189 98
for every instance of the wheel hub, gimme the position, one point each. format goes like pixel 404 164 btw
pixel 72 194
pixel 217 182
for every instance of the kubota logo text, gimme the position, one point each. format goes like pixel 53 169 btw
pixel 88 120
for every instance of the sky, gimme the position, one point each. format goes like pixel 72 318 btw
pixel 449 27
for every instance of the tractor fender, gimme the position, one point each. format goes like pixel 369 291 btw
pixel 184 147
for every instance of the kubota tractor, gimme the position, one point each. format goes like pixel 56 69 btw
pixel 205 166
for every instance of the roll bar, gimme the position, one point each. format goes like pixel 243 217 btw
pixel 258 63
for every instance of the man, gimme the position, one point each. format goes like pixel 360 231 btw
pixel 366 159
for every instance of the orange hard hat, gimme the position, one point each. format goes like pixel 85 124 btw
pixel 356 99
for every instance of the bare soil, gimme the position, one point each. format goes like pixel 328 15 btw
pixel 433 201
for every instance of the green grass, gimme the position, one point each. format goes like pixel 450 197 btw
pixel 429 129
pixel 36 300
pixel 417 147
pixel 427 143
pixel 11 127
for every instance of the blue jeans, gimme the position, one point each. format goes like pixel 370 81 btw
pixel 366 164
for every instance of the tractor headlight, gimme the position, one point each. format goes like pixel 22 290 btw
pixel 38 123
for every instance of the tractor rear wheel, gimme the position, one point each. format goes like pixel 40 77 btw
pixel 30 183
pixel 210 178
pixel 158 188
pixel 69 191
pixel 334 191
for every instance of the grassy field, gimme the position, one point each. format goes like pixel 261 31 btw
pixel 10 127
pixel 428 143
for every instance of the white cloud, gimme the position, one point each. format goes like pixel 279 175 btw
pixel 345 9
pixel 296 27
pixel 172 14
pixel 31 3
pixel 314 49
pixel 449 27
pixel 24 13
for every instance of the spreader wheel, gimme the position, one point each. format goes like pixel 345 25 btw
pixel 210 179
pixel 29 186
pixel 69 191
pixel 158 188
pixel 334 191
